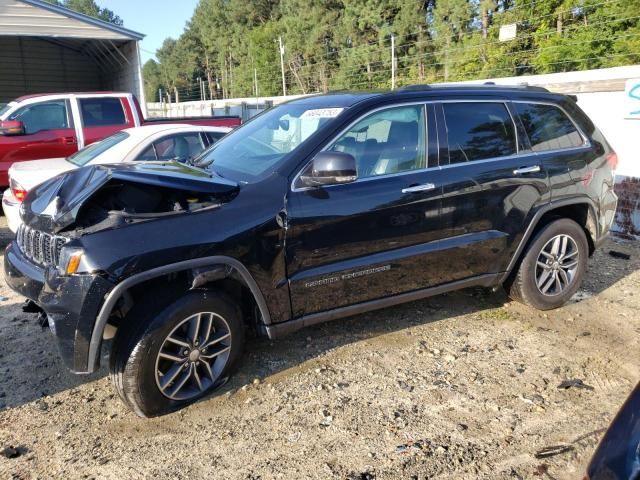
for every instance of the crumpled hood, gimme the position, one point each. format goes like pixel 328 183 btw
pixel 54 204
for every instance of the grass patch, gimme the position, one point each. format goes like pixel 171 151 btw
pixel 501 314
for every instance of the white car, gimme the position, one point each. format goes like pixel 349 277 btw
pixel 146 143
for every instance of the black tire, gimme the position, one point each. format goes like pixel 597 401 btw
pixel 523 284
pixel 143 333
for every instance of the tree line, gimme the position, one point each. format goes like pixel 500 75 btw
pixel 90 8
pixel 233 45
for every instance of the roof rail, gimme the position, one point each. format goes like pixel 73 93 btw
pixel 533 87
pixel 417 87
pixel 487 84
pixel 521 85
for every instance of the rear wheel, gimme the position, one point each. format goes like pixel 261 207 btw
pixel 172 356
pixel 553 266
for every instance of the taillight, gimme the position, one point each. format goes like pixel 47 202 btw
pixel 18 190
pixel 612 160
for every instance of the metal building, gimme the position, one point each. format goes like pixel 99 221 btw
pixel 46 48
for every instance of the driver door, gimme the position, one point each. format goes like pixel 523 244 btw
pixel 375 237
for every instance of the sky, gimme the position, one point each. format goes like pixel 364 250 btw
pixel 157 19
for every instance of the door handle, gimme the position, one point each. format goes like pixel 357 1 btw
pixel 425 187
pixel 520 171
pixel 69 140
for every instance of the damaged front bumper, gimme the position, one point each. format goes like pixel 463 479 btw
pixel 71 303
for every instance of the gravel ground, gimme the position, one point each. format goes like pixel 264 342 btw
pixel 463 385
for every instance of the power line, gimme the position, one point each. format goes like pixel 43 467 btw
pixel 522 6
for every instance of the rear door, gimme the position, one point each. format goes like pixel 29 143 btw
pixel 49 133
pixel 377 236
pixel 103 116
pixel 561 147
pixel 493 183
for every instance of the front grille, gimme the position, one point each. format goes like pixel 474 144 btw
pixel 40 247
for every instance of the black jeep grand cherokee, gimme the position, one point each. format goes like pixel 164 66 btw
pixel 317 209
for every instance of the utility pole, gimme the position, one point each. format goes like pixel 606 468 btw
pixel 284 85
pixel 393 62
pixel 255 81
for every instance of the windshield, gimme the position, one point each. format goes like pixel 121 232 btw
pixel 84 156
pixel 260 144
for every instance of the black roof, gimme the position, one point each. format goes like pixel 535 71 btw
pixel 335 99
pixel 347 99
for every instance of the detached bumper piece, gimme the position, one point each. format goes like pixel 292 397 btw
pixel 29 306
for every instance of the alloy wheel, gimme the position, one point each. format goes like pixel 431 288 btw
pixel 193 356
pixel 557 265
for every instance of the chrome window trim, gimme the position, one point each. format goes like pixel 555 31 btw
pixel 586 145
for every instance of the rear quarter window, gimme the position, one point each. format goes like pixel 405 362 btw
pixel 99 112
pixel 548 127
pixel 213 137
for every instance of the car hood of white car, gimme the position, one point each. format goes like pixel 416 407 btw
pixel 34 172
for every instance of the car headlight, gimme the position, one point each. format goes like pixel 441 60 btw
pixel 73 260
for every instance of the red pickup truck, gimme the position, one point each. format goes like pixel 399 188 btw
pixel 56 125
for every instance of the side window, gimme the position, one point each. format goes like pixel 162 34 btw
pixel 148 154
pixel 479 131
pixel 181 147
pixel 43 116
pixel 548 127
pixel 389 141
pixel 99 112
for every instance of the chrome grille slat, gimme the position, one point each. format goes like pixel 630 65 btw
pixel 40 247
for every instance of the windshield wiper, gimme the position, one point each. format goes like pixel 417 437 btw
pixel 198 163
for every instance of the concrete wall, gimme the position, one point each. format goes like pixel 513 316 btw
pixel 214 107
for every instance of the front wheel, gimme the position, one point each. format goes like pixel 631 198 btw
pixel 553 266
pixel 164 360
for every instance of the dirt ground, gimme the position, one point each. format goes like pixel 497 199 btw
pixel 463 385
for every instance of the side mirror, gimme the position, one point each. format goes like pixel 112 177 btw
pixel 11 127
pixel 330 168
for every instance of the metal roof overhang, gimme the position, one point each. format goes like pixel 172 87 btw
pixel 99 40
pixel 29 17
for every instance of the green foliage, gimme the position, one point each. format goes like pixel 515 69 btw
pixel 89 7
pixel 337 44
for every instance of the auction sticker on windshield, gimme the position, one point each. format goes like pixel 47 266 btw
pixel 322 113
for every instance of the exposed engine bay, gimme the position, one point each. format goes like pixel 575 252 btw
pixel 101 197
pixel 119 203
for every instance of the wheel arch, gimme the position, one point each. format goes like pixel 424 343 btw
pixel 205 271
pixel 580 209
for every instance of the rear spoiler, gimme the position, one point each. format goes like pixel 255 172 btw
pixel 573 97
